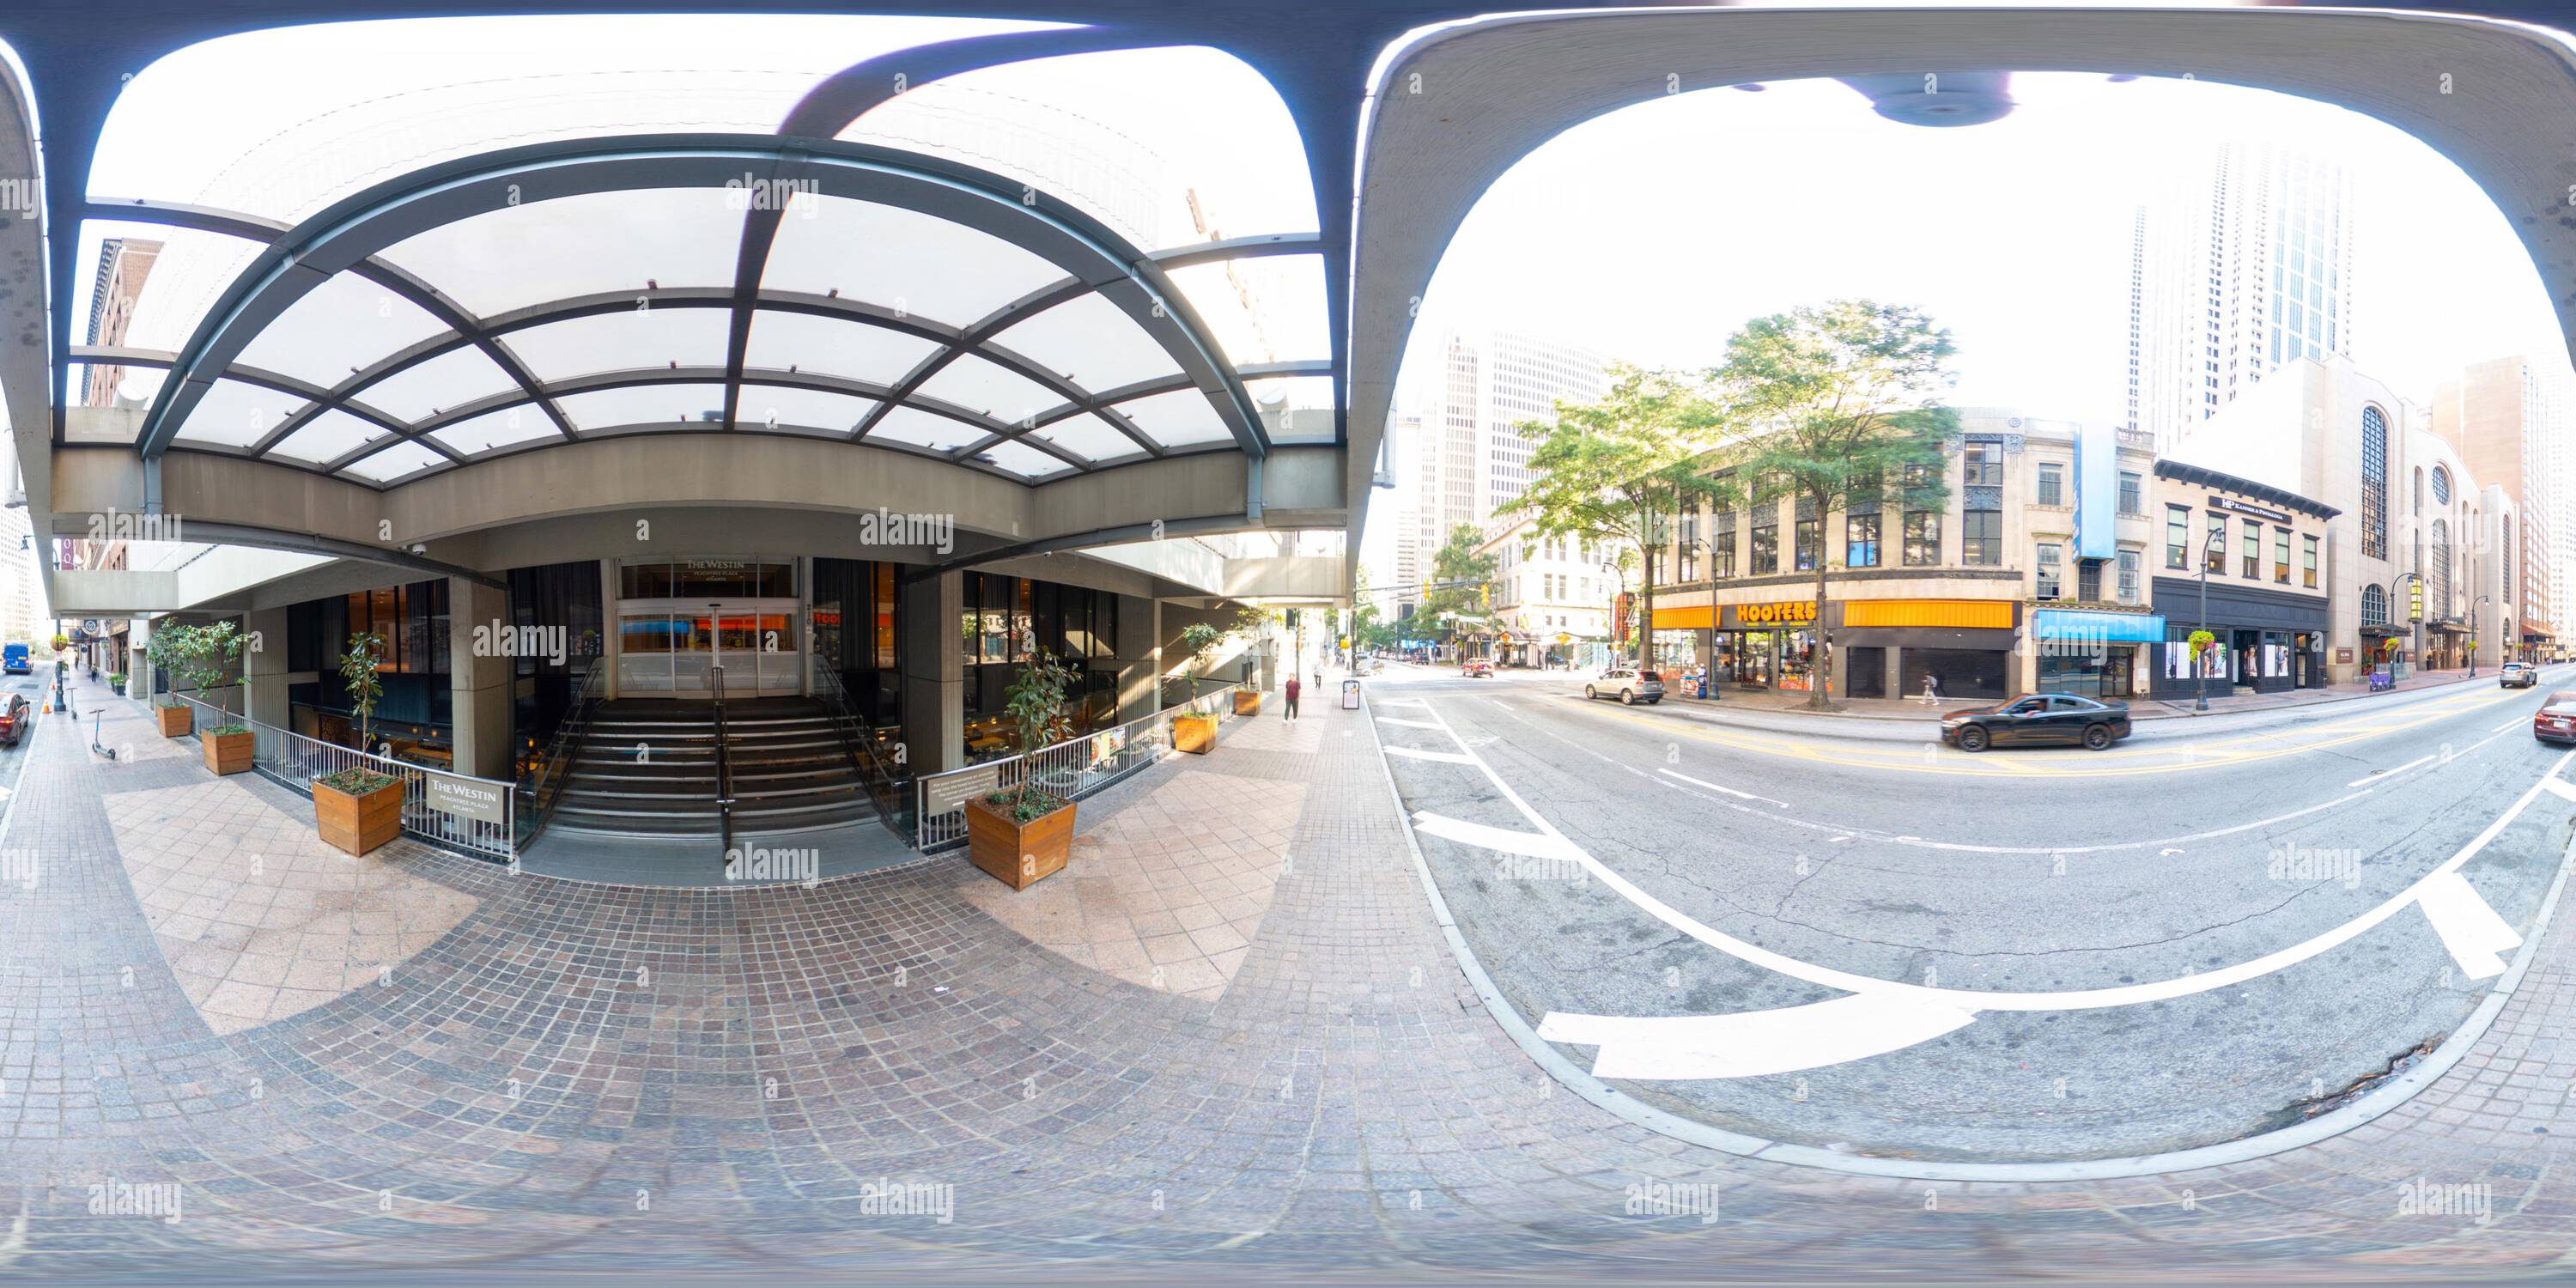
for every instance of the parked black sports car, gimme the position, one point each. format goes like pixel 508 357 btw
pixel 2038 720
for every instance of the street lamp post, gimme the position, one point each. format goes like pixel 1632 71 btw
pixel 2473 633
pixel 2199 661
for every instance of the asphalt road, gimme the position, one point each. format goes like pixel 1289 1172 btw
pixel 1858 939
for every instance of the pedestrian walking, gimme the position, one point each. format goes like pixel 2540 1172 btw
pixel 1293 686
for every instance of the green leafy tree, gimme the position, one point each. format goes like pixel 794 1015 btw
pixel 1838 404
pixel 1462 574
pixel 1199 640
pixel 365 687
pixel 1619 468
pixel 1036 706
pixel 200 657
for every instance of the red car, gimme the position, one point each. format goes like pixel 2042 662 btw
pixel 14 719
pixel 1477 669
pixel 2556 719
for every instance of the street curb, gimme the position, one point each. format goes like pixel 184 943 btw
pixel 2379 1101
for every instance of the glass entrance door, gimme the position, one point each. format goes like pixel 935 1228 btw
pixel 674 650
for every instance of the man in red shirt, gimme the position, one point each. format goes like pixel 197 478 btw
pixel 1292 695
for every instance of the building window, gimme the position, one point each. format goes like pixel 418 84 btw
pixel 2374 603
pixel 2308 559
pixel 1922 538
pixel 2281 555
pixel 2374 484
pixel 2133 493
pixel 2437 589
pixel 1984 463
pixel 2128 576
pixel 1690 544
pixel 2253 550
pixel 1766 549
pixel 1722 556
pixel 2441 486
pixel 2214 554
pixel 1806 539
pixel 2504 535
pixel 2052 483
pixel 1981 537
pixel 1860 541
pixel 2049 554
pixel 2177 536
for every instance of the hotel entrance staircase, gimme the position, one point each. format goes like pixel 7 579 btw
pixel 648 767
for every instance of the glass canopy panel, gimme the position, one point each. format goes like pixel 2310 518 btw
pixel 978 384
pixel 1261 310
pixel 1294 409
pixel 505 427
pixel 627 340
pixel 602 242
pixel 780 407
pixel 1089 437
pixel 780 339
pixel 1021 459
pixel 923 266
pixel 918 428
pixel 1091 342
pixel 188 272
pixel 340 327
pixel 285 120
pixel 1100 131
pixel 329 436
pixel 452 379
pixel 655 406
pixel 394 462
pixel 235 414
pixel 1179 419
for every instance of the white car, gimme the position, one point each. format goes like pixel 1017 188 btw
pixel 1628 684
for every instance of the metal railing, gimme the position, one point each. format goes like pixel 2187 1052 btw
pixel 724 774
pixel 886 784
pixel 294 761
pixel 545 779
pixel 1072 769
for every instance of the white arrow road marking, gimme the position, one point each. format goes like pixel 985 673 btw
pixel 1547 845
pixel 2565 790
pixel 1750 1044
pixel 1728 790
pixel 1444 757
pixel 2468 926
pixel 1409 724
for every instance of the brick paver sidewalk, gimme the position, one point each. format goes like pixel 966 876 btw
pixel 879 1077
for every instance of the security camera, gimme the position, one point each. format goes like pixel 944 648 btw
pixel 419 549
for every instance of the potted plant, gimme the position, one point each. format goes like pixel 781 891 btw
pixel 1247 692
pixel 168 651
pixel 116 681
pixel 204 656
pixel 1192 732
pixel 1024 834
pixel 358 809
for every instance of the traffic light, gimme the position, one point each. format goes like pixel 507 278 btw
pixel 1485 597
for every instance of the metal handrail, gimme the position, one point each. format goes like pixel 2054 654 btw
pixel 1073 768
pixel 294 761
pixel 886 786
pixel 545 783
pixel 724 772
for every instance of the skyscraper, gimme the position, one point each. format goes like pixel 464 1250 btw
pixel 2507 418
pixel 2240 265
pixel 1468 454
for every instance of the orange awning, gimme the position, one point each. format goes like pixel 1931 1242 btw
pixel 1965 614
pixel 1684 619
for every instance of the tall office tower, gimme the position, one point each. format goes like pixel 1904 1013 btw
pixel 2239 265
pixel 123 265
pixel 2507 418
pixel 1412 555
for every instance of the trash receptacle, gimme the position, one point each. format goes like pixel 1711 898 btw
pixel 1350 695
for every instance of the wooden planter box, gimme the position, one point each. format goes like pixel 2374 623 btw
pixel 1015 854
pixel 1193 734
pixel 357 824
pixel 226 753
pixel 1247 702
pixel 175 721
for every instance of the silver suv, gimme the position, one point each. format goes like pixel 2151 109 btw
pixel 1630 685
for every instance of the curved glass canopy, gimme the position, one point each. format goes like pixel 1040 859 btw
pixel 426 292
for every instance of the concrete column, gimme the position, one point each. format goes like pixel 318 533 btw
pixel 1140 663
pixel 479 686
pixel 927 613
pixel 138 662
pixel 610 638
pixel 264 676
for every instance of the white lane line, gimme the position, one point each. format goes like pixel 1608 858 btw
pixel 1728 790
pixel 1409 724
pixel 2388 773
pixel 2564 790
pixel 1401 702
pixel 1750 1044
pixel 2469 927
pixel 1444 757
pixel 1972 1000
pixel 2517 720
pixel 1536 845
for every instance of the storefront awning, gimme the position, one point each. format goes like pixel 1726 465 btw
pixel 2110 628
pixel 1685 618
pixel 1959 614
